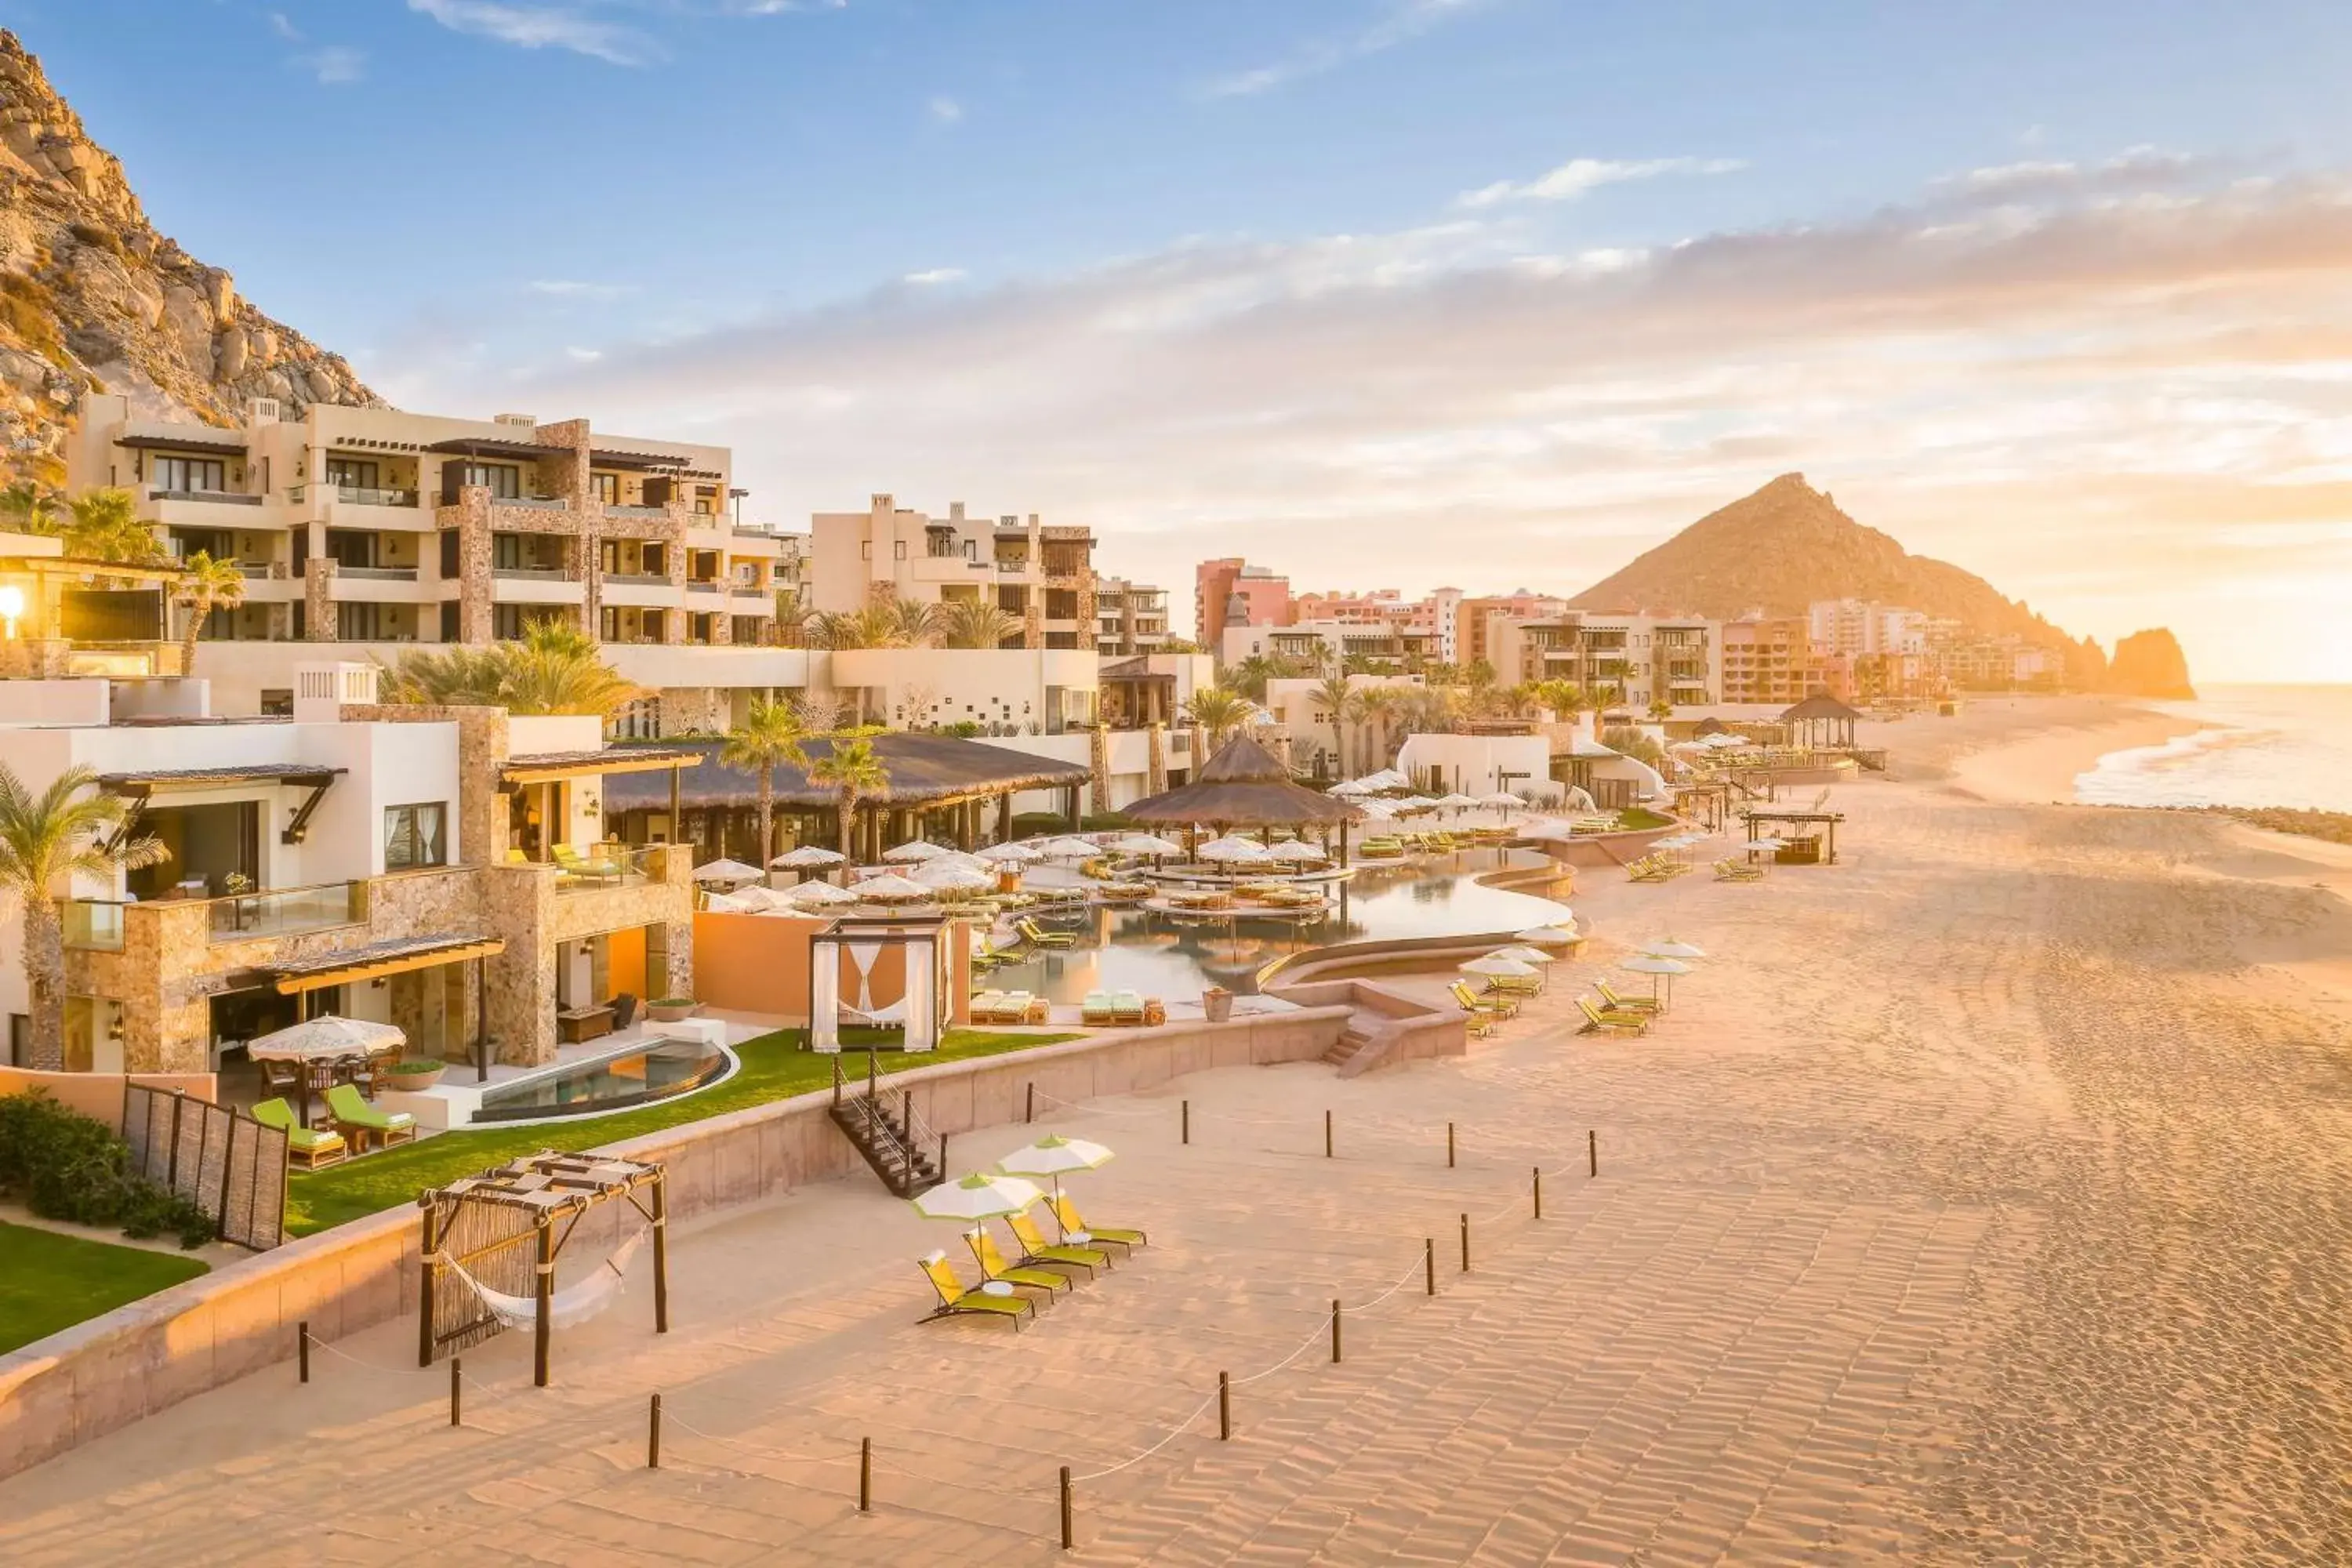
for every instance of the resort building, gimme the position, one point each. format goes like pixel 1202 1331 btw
pixel 1474 619
pixel 403 865
pixel 1768 660
pixel 1641 659
pixel 1378 645
pixel 1130 618
pixel 1230 591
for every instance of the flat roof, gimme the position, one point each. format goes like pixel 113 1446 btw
pixel 153 779
pixel 378 959
pixel 545 766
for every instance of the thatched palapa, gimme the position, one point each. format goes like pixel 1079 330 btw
pixel 924 770
pixel 1244 786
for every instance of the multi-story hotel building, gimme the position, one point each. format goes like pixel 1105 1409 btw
pixel 1230 591
pixel 1768 660
pixel 1643 659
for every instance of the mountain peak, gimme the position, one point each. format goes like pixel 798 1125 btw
pixel 92 299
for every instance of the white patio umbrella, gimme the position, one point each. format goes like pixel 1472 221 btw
pixel 1502 800
pixel 1054 1156
pixel 1653 966
pixel 1413 803
pixel 977 1197
pixel 1498 966
pixel 1236 851
pixel 1147 844
pixel 1353 787
pixel 1378 810
pixel 889 890
pixel 322 1038
pixel 1669 947
pixel 1526 954
pixel 1069 847
pixel 1549 936
pixel 1015 854
pixel 724 904
pixel 949 877
pixel 724 870
pixel 913 852
pixel 761 900
pixel 819 895
pixel 1387 778
pixel 1457 801
pixel 807 857
pixel 1297 851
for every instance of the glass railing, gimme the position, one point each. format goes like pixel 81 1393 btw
pixel 363 495
pixel 602 867
pixel 379 574
pixel 92 923
pixel 284 911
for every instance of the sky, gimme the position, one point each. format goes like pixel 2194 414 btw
pixel 1493 293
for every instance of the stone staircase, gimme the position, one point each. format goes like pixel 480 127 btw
pixel 1352 1038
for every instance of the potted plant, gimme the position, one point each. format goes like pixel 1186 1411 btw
pixel 413 1074
pixel 1217 1003
pixel 671 1009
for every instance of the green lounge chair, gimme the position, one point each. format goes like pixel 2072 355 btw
pixel 568 860
pixel 1036 937
pixel 1097 1010
pixel 353 1114
pixel 313 1149
pixel 954 1299
pixel 1127 1008
pixel 1066 1214
pixel 1034 1249
pixel 985 1253
pixel 1616 1004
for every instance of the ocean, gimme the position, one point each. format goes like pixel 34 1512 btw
pixel 2259 745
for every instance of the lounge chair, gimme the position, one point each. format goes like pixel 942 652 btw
pixel 571 863
pixel 354 1115
pixel 1485 1006
pixel 624 1010
pixel 985 1253
pixel 1516 984
pixel 1097 1010
pixel 314 1150
pixel 1036 937
pixel 1127 1008
pixel 1035 1249
pixel 1616 1004
pixel 1738 871
pixel 954 1299
pixel 1597 1022
pixel 1075 1229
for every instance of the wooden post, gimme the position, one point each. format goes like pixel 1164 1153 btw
pixel 1225 1407
pixel 482 1002
pixel 1466 1243
pixel 1335 1331
pixel 1031 1114
pixel 456 1376
pixel 1429 1264
pixel 543 1330
pixel 943 1156
pixel 1069 1523
pixel 1592 1150
pixel 1188 1121
pixel 1537 1179
pixel 1449 1145
pixel 427 1269
pixel 1326 1135
pixel 865 1475
pixel 661 1251
pixel 653 1435
pixel 302 1351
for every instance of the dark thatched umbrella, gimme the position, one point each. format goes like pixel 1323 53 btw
pixel 1244 786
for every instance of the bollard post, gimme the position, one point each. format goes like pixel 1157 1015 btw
pixel 1188 1121
pixel 865 1475
pixel 943 1156
pixel 1449 1145
pixel 1326 1135
pixel 653 1435
pixel 1335 1331
pixel 1538 1191
pixel 303 1353
pixel 456 1374
pixel 1429 1264
pixel 1225 1407
pixel 1031 1113
pixel 1592 1149
pixel 1069 1529
pixel 1466 1243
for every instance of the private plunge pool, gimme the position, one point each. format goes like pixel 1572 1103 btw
pixel 1158 955
pixel 655 1069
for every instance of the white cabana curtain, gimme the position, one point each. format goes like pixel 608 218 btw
pixel 825 997
pixel 862 954
pixel 923 1015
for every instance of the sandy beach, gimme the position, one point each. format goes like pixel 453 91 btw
pixel 1980 1200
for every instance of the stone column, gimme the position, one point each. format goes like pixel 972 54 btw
pixel 1157 741
pixel 319 598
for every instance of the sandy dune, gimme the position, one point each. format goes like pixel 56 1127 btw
pixel 1980 1201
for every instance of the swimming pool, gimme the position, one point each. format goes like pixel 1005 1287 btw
pixel 1131 950
pixel 658 1070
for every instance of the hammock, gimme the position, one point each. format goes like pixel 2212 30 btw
pixel 572 1304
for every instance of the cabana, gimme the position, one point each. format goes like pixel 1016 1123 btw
pixel 1246 785
pixel 1821 719
pixel 910 949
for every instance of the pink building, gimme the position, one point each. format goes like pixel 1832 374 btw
pixel 1230 591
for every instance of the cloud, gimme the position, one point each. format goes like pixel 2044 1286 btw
pixel 584 356
pixel 1403 21
pixel 2136 168
pixel 2081 397
pixel 1580 176
pixel 543 26
pixel 332 64
pixel 935 275
pixel 945 110
pixel 574 288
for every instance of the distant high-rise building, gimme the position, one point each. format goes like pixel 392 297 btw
pixel 1230 592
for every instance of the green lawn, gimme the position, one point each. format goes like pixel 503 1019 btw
pixel 49 1281
pixel 775 1067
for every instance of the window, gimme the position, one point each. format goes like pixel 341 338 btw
pixel 413 837
pixel 606 488
pixel 503 479
pixel 189 475
pixel 351 473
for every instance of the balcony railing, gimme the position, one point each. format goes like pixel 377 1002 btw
pixel 532 573
pixel 92 925
pixel 750 590
pixel 379 574
pixel 603 867
pixel 698 585
pixel 361 495
pixel 254 570
pixel 285 912
pixel 639 579
pixel 539 503
pixel 210 498
pixel 614 509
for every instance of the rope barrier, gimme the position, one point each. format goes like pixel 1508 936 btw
pixel 1175 1431
pixel 362 1360
pixel 1095 1109
pixel 1410 1276
pixel 671 1418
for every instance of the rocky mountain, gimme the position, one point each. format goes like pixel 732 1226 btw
pixel 2150 663
pixel 92 299
pixel 1789 544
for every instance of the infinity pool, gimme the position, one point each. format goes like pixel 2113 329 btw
pixel 657 1071
pixel 1133 950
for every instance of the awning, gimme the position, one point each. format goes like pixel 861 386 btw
pixel 613 457
pixel 545 767
pixel 377 960
pixel 494 447
pixel 192 437
pixel 145 783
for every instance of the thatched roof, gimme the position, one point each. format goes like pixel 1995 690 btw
pixel 922 768
pixel 1243 786
pixel 1710 725
pixel 1820 705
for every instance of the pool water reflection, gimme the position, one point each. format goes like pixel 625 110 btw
pixel 1132 950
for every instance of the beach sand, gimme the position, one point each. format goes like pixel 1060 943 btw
pixel 1980 1199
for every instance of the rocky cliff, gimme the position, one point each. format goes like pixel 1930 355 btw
pixel 2150 663
pixel 92 299
pixel 1789 544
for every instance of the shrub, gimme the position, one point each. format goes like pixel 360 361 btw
pixel 72 1167
pixel 963 728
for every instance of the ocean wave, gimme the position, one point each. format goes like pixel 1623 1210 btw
pixel 2248 765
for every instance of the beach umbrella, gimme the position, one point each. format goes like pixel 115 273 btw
pixel 323 1038
pixel 807 857
pixel 1503 801
pixel 1525 955
pixel 1069 847
pixel 950 877
pixel 1014 854
pixel 1413 803
pixel 1549 936
pixel 887 889
pixel 977 1197
pixel 1147 844
pixel 727 871
pixel 1653 966
pixel 1498 966
pixel 1054 1156
pixel 1353 787
pixel 1297 851
pixel 817 895
pixel 1668 947
pixel 1234 850
pixel 724 904
pixel 914 851
pixel 761 900
pixel 1457 801
pixel 1378 810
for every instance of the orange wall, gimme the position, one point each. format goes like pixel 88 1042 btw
pixel 100 1094
pixel 759 964
pixel 625 962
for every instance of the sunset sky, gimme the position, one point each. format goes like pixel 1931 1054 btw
pixel 1488 292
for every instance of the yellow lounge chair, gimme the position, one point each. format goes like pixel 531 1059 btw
pixel 985 1253
pixel 1036 937
pixel 1597 1022
pixel 1035 1249
pixel 1499 1007
pixel 1066 1214
pixel 954 1299
pixel 1616 1004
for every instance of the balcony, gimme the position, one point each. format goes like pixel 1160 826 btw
pixel 208 498
pixel 614 509
pixel 639 579
pixel 286 911
pixel 254 570
pixel 602 868
pixel 700 585
pixel 533 573
pixel 361 495
pixel 378 573
pixel 751 591
pixel 92 925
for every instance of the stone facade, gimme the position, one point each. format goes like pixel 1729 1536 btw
pixel 320 622
pixel 694 710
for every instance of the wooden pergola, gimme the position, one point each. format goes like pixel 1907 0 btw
pixel 1819 819
pixel 1821 719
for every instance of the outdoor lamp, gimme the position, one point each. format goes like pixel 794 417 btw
pixel 12 605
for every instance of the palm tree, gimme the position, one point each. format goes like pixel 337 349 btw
pixel 206 585
pixel 1250 676
pixel 45 839
pixel 555 669
pixel 1337 698
pixel 26 507
pixel 1479 677
pixel 104 526
pixel 902 623
pixel 1378 704
pixel 977 623
pixel 854 773
pixel 770 734
pixel 1564 697
pixel 915 623
pixel 1662 709
pixel 1218 711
